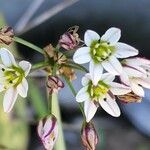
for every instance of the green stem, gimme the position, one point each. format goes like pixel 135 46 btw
pixel 28 44
pixel 60 143
pixel 39 65
pixel 74 93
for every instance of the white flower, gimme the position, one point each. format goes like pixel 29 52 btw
pixel 103 52
pixel 102 93
pixel 12 78
pixel 136 74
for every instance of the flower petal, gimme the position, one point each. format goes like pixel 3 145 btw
pixel 85 80
pixel 145 82
pixel 113 66
pixel 125 50
pixel 82 95
pixel 82 55
pixel 134 72
pixel 107 77
pixel 22 88
pixel 112 35
pixel 89 109
pixel 124 78
pixel 95 72
pixel 9 99
pixel 26 66
pixel 138 90
pixel 119 89
pixel 110 106
pixel 7 58
pixel 90 36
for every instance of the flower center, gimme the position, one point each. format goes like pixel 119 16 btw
pixel 100 51
pixel 99 91
pixel 13 76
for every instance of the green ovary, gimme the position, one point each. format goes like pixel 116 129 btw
pixel 99 91
pixel 100 51
pixel 13 76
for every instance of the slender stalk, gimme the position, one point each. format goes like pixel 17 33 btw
pixel 28 44
pixel 74 93
pixel 60 143
pixel 39 65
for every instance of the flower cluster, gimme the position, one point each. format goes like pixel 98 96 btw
pixel 104 54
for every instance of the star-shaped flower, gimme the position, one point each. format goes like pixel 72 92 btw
pixel 12 78
pixel 102 52
pixel 100 94
pixel 136 74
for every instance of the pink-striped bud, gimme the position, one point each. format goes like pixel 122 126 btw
pixel 48 131
pixel 6 35
pixel 70 39
pixel 54 84
pixel 89 136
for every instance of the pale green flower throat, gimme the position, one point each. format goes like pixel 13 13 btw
pixel 13 76
pixel 101 50
pixel 99 91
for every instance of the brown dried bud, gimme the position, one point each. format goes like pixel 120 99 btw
pixel 6 35
pixel 70 39
pixel 68 72
pixel 48 131
pixel 130 98
pixel 54 84
pixel 49 49
pixel 89 136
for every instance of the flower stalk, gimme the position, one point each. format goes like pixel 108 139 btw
pixel 28 44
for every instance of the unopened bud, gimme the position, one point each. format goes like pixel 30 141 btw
pixel 48 131
pixel 6 35
pixel 70 39
pixel 54 84
pixel 89 136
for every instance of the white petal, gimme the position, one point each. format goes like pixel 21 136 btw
pixel 85 80
pixel 95 72
pixel 7 58
pixel 9 99
pixel 47 126
pixel 119 89
pixel 110 106
pixel 138 90
pixel 145 82
pixel 124 78
pixel 124 50
pixel 134 72
pixel 108 77
pixel 89 109
pixel 90 36
pixel 26 66
pixel 112 35
pixel 113 66
pixel 22 88
pixel 137 61
pixel 82 55
pixel 82 95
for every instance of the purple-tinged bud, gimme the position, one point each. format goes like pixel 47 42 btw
pixel 6 35
pixel 48 131
pixel 89 136
pixel 54 84
pixel 70 39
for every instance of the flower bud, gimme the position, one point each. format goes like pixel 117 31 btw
pixel 89 136
pixel 70 39
pixel 54 84
pixel 48 131
pixel 6 35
